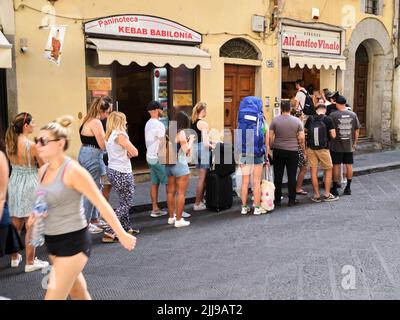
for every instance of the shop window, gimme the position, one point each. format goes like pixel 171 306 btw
pixel 238 48
pixel 182 89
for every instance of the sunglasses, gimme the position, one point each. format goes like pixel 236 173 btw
pixel 43 141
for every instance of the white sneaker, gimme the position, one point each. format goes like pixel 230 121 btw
pixel 258 211
pixel 15 263
pixel 94 229
pixel 184 214
pixel 37 265
pixel 181 223
pixel 199 207
pixel 245 210
pixel 171 220
pixel 159 213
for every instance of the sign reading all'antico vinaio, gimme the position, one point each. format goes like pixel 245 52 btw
pixel 311 40
pixel 142 27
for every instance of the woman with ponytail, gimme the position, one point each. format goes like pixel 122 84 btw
pixel 62 183
pixel 91 155
pixel 24 160
pixel 202 150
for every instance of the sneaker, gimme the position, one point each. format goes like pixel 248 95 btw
pixel 245 210
pixel 101 224
pixel 37 265
pixel 199 207
pixel 171 220
pixel 347 192
pixel 330 198
pixel 316 199
pixel 93 229
pixel 181 223
pixel 184 214
pixel 258 211
pixel 158 213
pixel 293 203
pixel 335 192
pixel 15 263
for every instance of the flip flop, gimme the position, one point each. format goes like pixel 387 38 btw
pixel 302 193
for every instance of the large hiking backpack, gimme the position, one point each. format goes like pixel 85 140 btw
pixel 308 108
pixel 317 135
pixel 251 117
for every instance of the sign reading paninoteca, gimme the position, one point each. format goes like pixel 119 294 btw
pixel 311 40
pixel 141 27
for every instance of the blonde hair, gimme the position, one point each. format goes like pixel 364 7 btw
pixel 59 128
pixel 115 121
pixel 199 107
pixel 100 104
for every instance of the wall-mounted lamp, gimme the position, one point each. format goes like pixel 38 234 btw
pixel 23 44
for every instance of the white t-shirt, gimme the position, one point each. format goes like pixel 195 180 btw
pixel 301 98
pixel 118 159
pixel 153 131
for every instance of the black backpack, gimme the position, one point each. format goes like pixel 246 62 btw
pixel 317 134
pixel 308 108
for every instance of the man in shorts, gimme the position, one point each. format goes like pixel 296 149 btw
pixel 319 129
pixel 347 128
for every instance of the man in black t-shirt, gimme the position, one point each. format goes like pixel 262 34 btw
pixel 331 96
pixel 320 129
pixel 342 147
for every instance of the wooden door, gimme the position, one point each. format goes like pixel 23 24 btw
pixel 361 88
pixel 239 83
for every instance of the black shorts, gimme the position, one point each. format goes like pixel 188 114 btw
pixel 69 244
pixel 342 157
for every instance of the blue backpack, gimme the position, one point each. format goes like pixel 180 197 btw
pixel 251 117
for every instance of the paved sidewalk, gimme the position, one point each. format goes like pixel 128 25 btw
pixel 348 249
pixel 363 164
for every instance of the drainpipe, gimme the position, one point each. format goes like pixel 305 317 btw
pixel 396 23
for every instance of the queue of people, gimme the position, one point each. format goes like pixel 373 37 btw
pixel 296 141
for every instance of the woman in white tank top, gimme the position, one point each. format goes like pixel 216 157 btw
pixel 119 170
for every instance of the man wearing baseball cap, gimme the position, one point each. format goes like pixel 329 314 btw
pixel 153 132
pixel 331 97
pixel 320 129
pixel 347 128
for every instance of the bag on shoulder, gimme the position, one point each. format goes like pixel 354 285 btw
pixel 308 108
pixel 317 135
pixel 251 117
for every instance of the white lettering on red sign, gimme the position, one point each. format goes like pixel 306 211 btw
pixel 140 26
pixel 311 40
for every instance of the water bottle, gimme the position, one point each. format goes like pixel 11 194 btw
pixel 39 210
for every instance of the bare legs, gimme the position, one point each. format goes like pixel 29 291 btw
pixel 257 172
pixel 30 251
pixel 176 188
pixel 66 278
pixel 201 186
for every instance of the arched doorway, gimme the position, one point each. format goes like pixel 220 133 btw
pixel 239 80
pixel 368 79
pixel 361 88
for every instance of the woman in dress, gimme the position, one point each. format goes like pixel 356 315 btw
pixel 24 159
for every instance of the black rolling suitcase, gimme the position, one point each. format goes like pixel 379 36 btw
pixel 219 191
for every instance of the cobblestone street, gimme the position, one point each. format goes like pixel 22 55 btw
pixel 306 252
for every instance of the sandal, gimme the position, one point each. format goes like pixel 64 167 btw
pixel 315 199
pixel 108 238
pixel 302 193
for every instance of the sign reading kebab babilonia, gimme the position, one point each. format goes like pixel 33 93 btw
pixel 142 27
pixel 311 40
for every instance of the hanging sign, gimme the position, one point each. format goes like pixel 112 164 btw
pixel 141 27
pixel 54 44
pixel 311 40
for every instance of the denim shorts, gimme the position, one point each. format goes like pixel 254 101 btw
pixel 251 159
pixel 157 172
pixel 177 170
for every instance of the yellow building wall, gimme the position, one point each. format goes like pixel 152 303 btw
pixel 48 91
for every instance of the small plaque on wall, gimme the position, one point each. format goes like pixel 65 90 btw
pixel 99 84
